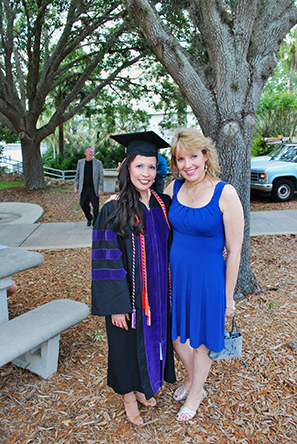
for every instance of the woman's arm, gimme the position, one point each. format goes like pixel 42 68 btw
pixel 110 284
pixel 233 219
pixel 169 189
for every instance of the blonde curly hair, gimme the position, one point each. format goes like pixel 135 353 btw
pixel 190 140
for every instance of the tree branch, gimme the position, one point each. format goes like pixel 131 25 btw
pixel 63 47
pixel 59 117
pixel 7 42
pixel 50 69
pixel 20 74
pixel 173 57
pixel 7 123
pixel 274 20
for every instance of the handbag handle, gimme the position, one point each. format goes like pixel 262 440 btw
pixel 234 325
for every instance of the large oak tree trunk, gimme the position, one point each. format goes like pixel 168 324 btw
pixel 32 165
pixel 233 142
pixel 222 76
pixel 234 150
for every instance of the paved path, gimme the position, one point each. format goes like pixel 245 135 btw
pixel 273 222
pixel 21 231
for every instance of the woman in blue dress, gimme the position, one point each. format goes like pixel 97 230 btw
pixel 206 215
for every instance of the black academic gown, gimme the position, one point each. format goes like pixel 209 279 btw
pixel 138 359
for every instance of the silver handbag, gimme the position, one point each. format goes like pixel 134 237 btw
pixel 233 345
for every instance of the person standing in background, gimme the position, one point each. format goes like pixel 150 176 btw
pixel 88 183
pixel 158 185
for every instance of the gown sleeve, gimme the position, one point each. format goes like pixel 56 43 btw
pixel 111 292
pixel 167 201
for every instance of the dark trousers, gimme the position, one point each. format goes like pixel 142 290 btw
pixel 88 196
pixel 158 185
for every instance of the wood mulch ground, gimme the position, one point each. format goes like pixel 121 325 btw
pixel 249 400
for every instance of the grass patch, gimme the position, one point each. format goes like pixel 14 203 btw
pixel 4 185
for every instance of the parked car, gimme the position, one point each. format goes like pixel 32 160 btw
pixel 276 173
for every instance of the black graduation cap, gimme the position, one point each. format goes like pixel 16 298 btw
pixel 146 143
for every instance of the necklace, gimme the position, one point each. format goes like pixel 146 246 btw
pixel 196 194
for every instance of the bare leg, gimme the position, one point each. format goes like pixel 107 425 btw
pixel 131 408
pixel 186 354
pixel 12 289
pixel 202 364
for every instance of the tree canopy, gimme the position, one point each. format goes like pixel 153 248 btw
pixel 63 52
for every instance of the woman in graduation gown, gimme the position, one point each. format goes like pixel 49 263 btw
pixel 130 278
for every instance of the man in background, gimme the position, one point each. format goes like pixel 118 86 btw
pixel 158 185
pixel 88 183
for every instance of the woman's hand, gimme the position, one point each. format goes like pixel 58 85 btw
pixel 229 313
pixel 225 253
pixel 120 320
pixel 112 197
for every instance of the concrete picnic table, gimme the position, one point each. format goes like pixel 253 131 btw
pixel 13 260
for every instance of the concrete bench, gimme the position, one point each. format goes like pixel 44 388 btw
pixel 13 260
pixel 32 339
pixel 110 178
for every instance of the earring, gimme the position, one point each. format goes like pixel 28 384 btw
pixel 205 167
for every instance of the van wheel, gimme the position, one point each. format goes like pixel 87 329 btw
pixel 282 191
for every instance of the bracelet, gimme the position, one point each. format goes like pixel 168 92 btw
pixel 232 307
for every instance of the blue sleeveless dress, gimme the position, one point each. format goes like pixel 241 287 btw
pixel 198 271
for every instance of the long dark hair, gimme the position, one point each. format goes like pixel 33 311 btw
pixel 127 205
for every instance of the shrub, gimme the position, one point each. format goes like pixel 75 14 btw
pixel 109 155
pixel 69 163
pixel 260 148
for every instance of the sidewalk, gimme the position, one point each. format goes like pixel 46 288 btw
pixel 17 228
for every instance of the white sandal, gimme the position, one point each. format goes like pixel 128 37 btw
pixel 180 393
pixel 189 414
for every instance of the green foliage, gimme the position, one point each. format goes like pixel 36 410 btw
pixel 117 114
pixel 110 155
pixel 98 335
pixel 280 79
pixel 6 135
pixel 276 114
pixel 272 305
pixel 70 162
pixel 105 115
pixel 260 148
pixel 257 146
pixel 277 110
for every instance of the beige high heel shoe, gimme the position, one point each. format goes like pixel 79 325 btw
pixel 134 420
pixel 148 402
